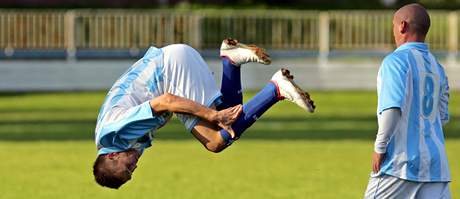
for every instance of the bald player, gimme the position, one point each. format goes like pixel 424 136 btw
pixel 409 159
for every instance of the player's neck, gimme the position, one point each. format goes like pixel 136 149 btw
pixel 411 38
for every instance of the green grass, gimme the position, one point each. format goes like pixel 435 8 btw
pixel 47 151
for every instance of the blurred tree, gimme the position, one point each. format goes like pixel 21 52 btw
pixel 289 4
pixel 441 4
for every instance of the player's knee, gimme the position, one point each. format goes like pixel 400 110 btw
pixel 215 147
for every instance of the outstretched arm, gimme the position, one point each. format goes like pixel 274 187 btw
pixel 176 104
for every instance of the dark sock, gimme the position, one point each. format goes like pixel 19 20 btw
pixel 252 110
pixel 231 85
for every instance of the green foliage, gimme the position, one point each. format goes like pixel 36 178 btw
pixel 47 150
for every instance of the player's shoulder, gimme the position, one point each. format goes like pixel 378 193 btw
pixel 397 57
pixel 396 61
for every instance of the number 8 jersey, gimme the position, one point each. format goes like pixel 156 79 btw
pixel 411 79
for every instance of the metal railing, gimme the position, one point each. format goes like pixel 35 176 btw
pixel 323 31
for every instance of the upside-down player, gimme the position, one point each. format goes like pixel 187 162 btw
pixel 175 79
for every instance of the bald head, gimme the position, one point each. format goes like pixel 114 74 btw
pixel 416 16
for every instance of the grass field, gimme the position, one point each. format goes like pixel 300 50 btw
pixel 47 150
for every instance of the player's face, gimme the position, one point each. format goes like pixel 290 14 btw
pixel 126 161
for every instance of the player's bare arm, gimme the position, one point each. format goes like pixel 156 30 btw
pixel 176 104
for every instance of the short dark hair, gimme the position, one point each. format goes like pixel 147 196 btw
pixel 105 176
pixel 417 17
pixel 422 28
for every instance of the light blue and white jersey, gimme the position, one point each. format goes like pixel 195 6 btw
pixel 126 119
pixel 411 79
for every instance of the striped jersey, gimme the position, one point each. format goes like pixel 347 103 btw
pixel 126 119
pixel 411 79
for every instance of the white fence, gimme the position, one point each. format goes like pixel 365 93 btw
pixel 44 30
pixel 324 31
pixel 92 31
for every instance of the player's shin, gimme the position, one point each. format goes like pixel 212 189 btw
pixel 231 85
pixel 252 110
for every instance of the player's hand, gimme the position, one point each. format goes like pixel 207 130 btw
pixel 377 159
pixel 226 117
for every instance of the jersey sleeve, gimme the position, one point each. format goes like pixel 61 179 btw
pixel 134 123
pixel 391 84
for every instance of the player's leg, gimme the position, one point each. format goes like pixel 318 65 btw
pixel 187 75
pixel 196 83
pixel 208 135
pixel 281 87
pixel 231 84
pixel 216 139
pixel 233 55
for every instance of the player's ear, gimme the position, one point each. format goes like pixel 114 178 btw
pixel 403 27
